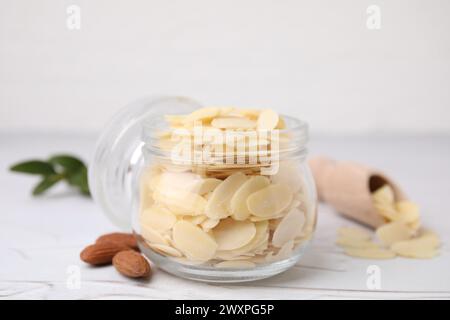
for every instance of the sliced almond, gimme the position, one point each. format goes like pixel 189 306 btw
pixel 261 236
pixel 181 202
pixel 348 242
pixel 387 210
pixel 195 219
pixel 208 185
pixel 262 247
pixel 384 195
pixel 201 114
pixel 269 257
pixel 370 253
pixel 269 201
pixel 294 204
pixel 258 219
pixel 273 224
pixel 354 233
pixel 151 235
pixel 217 206
pixel 233 123
pixel 145 190
pixel 187 261
pixel 306 204
pixel 235 264
pixel 408 212
pixel 284 253
pixel 267 120
pixel 415 225
pixel 193 241
pixel 209 223
pixel 231 234
pixel 393 232
pixel 423 247
pixel 408 251
pixel 259 259
pixel 228 256
pixel 165 250
pixel 430 237
pixel 158 218
pixel 187 181
pixel 168 237
pixel 249 113
pixel 289 228
pixel 207 196
pixel 238 203
pixel 146 202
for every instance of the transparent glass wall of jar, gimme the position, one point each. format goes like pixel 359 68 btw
pixel 237 207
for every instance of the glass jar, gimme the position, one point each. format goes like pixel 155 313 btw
pixel 221 205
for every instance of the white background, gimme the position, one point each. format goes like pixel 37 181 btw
pixel 314 59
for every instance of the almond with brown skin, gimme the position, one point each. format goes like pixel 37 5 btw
pixel 101 253
pixel 127 239
pixel 131 264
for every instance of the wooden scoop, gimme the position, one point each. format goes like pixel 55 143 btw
pixel 348 188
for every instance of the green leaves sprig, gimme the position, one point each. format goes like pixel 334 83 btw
pixel 58 168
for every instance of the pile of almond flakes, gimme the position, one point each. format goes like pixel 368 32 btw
pixel 400 236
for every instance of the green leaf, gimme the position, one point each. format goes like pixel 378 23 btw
pixel 34 167
pixel 46 183
pixel 59 167
pixel 69 163
pixel 80 179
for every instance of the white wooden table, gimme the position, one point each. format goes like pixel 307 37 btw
pixel 40 238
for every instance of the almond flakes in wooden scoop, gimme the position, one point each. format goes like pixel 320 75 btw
pixel 370 197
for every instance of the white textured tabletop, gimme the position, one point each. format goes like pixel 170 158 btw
pixel 40 238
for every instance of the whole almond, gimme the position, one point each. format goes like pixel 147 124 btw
pixel 127 239
pixel 101 253
pixel 131 264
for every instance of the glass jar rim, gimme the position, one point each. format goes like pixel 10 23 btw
pixel 296 130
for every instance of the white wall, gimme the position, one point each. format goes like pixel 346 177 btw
pixel 314 59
